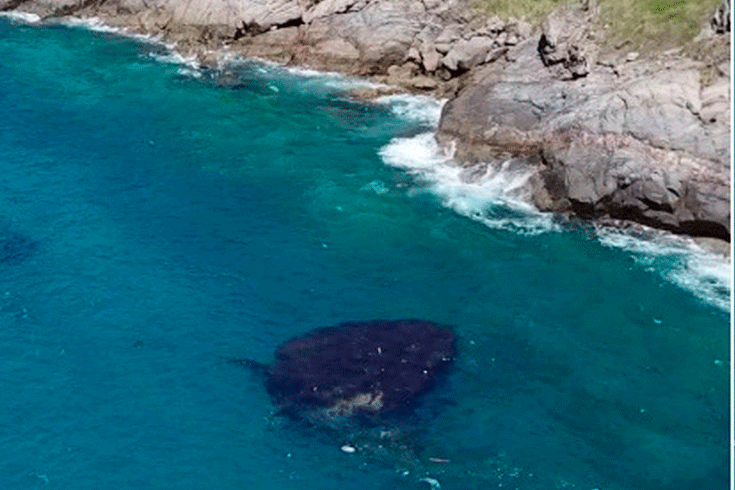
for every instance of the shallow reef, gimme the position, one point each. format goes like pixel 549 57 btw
pixel 358 368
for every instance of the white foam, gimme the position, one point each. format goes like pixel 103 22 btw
pixel 188 72
pixel 332 79
pixel 376 186
pixel 326 78
pixel 170 56
pixel 679 260
pixel 91 23
pixel 98 25
pixel 24 17
pixel 177 58
pixel 415 108
pixel 496 197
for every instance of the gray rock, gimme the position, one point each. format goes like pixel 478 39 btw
pixel 401 74
pixel 524 29
pixel 495 54
pixel 715 102
pixel 564 44
pixel 467 54
pixel 382 32
pixel 413 55
pixel 9 4
pixel 443 48
pixel 337 49
pixel 449 35
pixel 422 82
pixel 326 8
pixel 511 39
pixel 430 58
pixel 274 44
pixel 269 13
pixel 494 25
pixel 647 147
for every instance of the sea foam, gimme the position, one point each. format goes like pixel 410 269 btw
pixel 495 196
pixel 98 25
pixel 308 77
pixel 498 196
pixel 22 17
pixel 415 108
pixel 677 259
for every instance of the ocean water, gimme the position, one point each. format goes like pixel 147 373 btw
pixel 157 219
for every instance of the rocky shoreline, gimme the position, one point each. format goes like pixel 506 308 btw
pixel 611 135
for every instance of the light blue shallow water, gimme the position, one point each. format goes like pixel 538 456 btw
pixel 153 224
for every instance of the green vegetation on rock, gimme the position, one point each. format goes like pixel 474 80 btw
pixel 529 10
pixel 640 25
pixel 649 25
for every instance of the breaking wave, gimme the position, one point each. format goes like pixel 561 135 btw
pixel 22 17
pixel 499 197
pixel 496 197
pixel 677 259
pixel 420 109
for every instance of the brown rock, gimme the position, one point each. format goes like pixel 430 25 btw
pixel 337 49
pixel 467 54
pixel 422 82
pixel 430 58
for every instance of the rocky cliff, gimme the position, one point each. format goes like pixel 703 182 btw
pixel 641 140
pixel 644 139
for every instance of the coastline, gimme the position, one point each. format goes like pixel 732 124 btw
pixel 171 223
pixel 694 201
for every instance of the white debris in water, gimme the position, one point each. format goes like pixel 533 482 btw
pixel 433 483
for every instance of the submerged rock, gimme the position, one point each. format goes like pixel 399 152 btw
pixel 15 248
pixel 354 368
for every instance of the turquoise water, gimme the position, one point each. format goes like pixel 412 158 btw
pixel 157 219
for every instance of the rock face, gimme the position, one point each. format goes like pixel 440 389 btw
pixel 650 144
pixel 355 368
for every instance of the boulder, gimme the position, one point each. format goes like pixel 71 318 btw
pixel 422 82
pixel 564 45
pixel 430 58
pixel 382 32
pixel 466 54
pixel 269 13
pixel 327 8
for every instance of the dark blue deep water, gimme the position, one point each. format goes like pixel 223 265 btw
pixel 156 220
